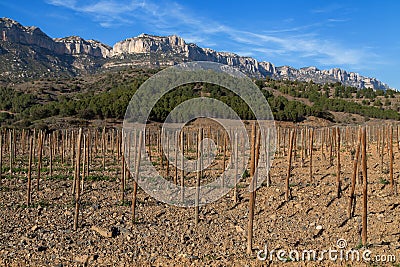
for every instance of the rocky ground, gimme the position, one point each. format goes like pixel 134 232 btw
pixel 163 235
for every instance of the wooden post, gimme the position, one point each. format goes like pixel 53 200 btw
pixel 330 148
pixel 322 143
pixel 243 147
pixel 295 146
pixel 83 163
pixel 96 141
pixel 391 160
pixel 51 155
pixel 382 148
pixel 284 141
pixel 378 141
pixel 72 148
pixel 251 193
pixel 88 157
pixel 397 138
pixel 306 142
pixel 311 154
pixel 236 147
pixel 29 195
pixel 176 158
pixel 257 154
pixel 160 149
pixel 150 143
pixel 353 179
pixel 103 141
pixel 128 159
pixel 302 146
pixel 287 191
pixel 182 167
pixel 223 162
pixel 338 187
pixel 40 144
pixel 115 141
pixel 199 172
pixel 23 141
pixel 77 186
pixel 167 171
pixel 267 156
pixel 62 145
pixel 122 175
pixel 1 155
pixel 209 147
pixel 10 153
pixel 14 145
pixel 137 169
pixel 365 187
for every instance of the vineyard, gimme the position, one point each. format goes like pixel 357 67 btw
pixel 69 197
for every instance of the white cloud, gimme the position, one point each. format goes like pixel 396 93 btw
pixel 108 13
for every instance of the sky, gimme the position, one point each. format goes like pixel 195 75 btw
pixel 362 36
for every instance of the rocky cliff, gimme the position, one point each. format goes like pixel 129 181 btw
pixel 75 45
pixel 14 32
pixel 148 43
pixel 150 50
pixel 173 44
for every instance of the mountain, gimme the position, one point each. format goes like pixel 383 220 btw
pixel 27 52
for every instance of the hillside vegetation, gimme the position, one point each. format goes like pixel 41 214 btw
pixel 106 96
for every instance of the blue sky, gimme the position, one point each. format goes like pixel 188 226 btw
pixel 359 36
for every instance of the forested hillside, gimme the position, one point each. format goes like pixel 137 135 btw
pixel 106 96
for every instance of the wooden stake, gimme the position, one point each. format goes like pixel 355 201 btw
pixel 176 158
pixel 1 155
pixel 122 176
pixel 167 171
pixel 353 179
pixel 322 143
pixel 391 161
pixel 365 187
pixel 382 148
pixel 397 138
pixel 330 148
pixel 62 146
pixel 251 193
pixel 236 147
pixel 104 148
pixel 223 162
pixel 83 164
pixel 338 187
pixel 199 172
pixel 311 154
pixel 51 145
pixel 10 153
pixel 302 146
pixel 40 144
pixel 287 191
pixel 29 195
pixel 182 167
pixel 137 169
pixel 88 154
pixel 72 148
pixel 77 186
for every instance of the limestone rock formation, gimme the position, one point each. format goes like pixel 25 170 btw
pixel 150 50
pixel 75 45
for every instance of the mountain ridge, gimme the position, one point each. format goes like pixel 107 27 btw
pixel 77 55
